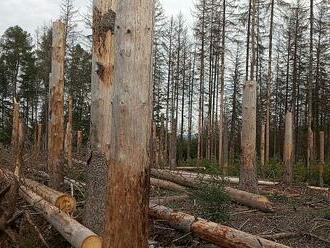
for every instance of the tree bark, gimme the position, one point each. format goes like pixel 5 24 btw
pixel 68 135
pixel 102 87
pixel 262 148
pixel 310 140
pixel 269 83
pixel 321 158
pixel 248 174
pixel 288 149
pixel 126 219
pixel 56 111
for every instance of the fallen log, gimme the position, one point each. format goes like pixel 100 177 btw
pixel 168 199
pixel 217 234
pixel 75 233
pixel 249 199
pixel 192 168
pixel 246 198
pixel 201 176
pixel 167 185
pixel 62 201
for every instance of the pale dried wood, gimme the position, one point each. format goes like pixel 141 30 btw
pixel 248 174
pixel 56 107
pixel 215 233
pixel 75 233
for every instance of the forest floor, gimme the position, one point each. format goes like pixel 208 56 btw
pixel 298 210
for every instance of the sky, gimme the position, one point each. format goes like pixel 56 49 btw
pixel 31 14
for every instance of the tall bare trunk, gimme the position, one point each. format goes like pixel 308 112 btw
pixel 310 140
pixel 288 149
pixel 248 175
pixel 222 82
pixel 269 83
pixel 128 175
pixel 102 84
pixel 56 108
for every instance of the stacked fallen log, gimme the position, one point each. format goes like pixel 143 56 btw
pixel 75 233
pixel 217 234
pixel 248 199
pixel 62 201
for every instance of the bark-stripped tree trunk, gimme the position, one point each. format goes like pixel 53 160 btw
pixel 248 175
pixel 128 175
pixel 56 111
pixel 288 149
pixel 269 83
pixel 68 134
pixel 262 147
pixel 102 84
pixel 79 140
pixel 321 158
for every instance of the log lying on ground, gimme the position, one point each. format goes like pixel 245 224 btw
pixel 64 202
pixel 234 180
pixel 242 197
pixel 192 168
pixel 75 233
pixel 168 199
pixel 221 235
pixel 167 185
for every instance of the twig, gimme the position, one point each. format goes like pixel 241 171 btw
pixel 175 240
pixel 243 224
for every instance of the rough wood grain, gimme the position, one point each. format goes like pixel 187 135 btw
pixel 248 174
pixel 56 107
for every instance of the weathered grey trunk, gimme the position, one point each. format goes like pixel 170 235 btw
pixel 131 108
pixel 56 108
pixel 102 84
pixel 248 174
pixel 288 149
pixel 321 158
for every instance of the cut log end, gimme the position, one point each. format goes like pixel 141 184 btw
pixel 92 242
pixel 66 204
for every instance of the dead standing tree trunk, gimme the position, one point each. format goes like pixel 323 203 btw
pixel 248 175
pixel 68 134
pixel 56 111
pixel 288 149
pixel 102 71
pixel 321 157
pixel 127 209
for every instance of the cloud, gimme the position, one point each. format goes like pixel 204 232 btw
pixel 32 14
